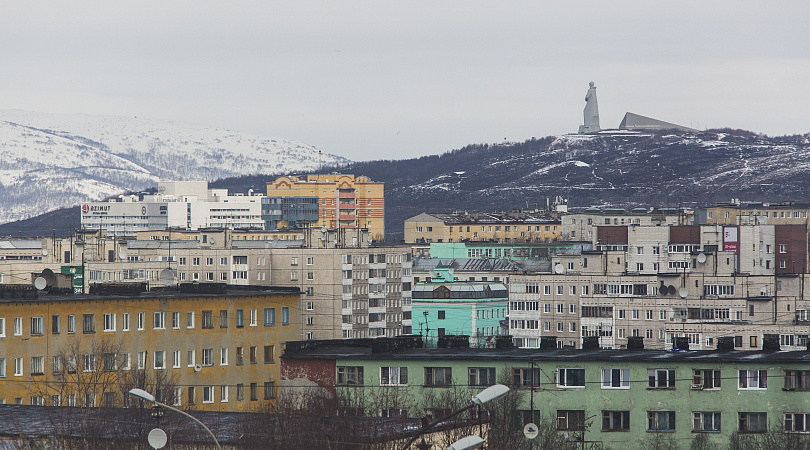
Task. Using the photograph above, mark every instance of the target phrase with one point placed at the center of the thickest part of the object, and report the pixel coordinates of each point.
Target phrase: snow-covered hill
(49, 161)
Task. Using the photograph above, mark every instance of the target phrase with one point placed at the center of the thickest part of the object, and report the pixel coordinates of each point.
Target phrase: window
(294, 261)
(176, 359)
(208, 356)
(615, 379)
(269, 354)
(18, 367)
(782, 248)
(191, 358)
(661, 379)
(89, 363)
(159, 321)
(660, 420)
(438, 376)
(89, 323)
(481, 376)
(190, 320)
(3, 326)
(254, 388)
(223, 357)
(440, 315)
(125, 321)
(71, 323)
(796, 422)
(526, 377)
(253, 354)
(752, 422)
(37, 326)
(240, 318)
(141, 360)
(615, 420)
(570, 420)
(223, 318)
(269, 390)
(37, 365)
(2, 367)
(797, 380)
(253, 317)
(285, 316)
(176, 320)
(350, 375)
(208, 394)
(269, 317)
(208, 319)
(18, 326)
(178, 393)
(568, 378)
(141, 320)
(192, 398)
(706, 421)
(753, 379)
(195, 261)
(240, 392)
(160, 359)
(705, 379)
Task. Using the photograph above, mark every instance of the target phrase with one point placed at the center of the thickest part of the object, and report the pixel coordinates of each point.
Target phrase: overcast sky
(379, 79)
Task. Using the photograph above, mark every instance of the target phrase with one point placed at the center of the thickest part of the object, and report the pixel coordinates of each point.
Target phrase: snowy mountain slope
(623, 169)
(49, 161)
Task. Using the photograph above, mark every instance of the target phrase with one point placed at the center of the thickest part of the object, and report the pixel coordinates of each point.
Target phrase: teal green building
(497, 250)
(444, 306)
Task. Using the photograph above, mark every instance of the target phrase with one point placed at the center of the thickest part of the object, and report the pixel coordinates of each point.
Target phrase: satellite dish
(122, 254)
(44, 252)
(683, 292)
(49, 276)
(211, 241)
(197, 368)
(157, 438)
(40, 283)
(671, 289)
(558, 269)
(167, 276)
(701, 258)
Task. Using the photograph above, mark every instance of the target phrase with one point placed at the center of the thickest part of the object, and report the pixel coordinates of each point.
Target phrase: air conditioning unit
(697, 387)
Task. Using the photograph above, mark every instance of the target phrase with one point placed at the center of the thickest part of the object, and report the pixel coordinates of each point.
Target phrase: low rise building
(208, 347)
(515, 227)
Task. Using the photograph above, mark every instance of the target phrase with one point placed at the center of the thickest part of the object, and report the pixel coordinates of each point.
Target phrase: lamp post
(493, 392)
(143, 395)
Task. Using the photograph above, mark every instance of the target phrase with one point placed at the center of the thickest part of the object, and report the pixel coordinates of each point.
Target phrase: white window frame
(109, 322)
(608, 381)
(758, 377)
(159, 320)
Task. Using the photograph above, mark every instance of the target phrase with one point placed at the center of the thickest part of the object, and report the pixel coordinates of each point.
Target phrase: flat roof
(337, 350)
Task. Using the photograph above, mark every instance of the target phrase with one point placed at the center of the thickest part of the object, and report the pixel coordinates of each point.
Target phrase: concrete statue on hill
(591, 112)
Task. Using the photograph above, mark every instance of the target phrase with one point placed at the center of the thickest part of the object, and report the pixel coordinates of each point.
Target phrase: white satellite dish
(40, 283)
(44, 252)
(122, 254)
(166, 276)
(701, 258)
(211, 241)
(683, 292)
(197, 368)
(558, 269)
(157, 438)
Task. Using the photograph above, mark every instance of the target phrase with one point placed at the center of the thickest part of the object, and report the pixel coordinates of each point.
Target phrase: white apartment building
(658, 282)
(177, 204)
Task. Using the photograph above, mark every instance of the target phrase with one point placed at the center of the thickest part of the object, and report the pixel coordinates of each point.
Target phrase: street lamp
(467, 443)
(143, 395)
(489, 394)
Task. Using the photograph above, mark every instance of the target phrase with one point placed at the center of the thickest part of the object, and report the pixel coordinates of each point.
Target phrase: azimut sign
(95, 209)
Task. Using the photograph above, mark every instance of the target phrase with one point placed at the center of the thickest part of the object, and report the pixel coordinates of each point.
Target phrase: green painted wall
(638, 399)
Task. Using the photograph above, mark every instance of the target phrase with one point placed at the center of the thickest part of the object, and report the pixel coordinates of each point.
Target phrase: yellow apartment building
(343, 201)
(482, 227)
(754, 213)
(202, 346)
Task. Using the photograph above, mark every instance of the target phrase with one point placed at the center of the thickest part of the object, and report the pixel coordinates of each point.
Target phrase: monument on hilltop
(591, 112)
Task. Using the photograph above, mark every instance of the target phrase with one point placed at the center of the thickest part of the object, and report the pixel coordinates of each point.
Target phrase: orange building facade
(344, 201)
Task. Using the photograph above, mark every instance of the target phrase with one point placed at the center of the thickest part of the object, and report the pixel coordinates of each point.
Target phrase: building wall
(183, 337)
(593, 399)
(364, 200)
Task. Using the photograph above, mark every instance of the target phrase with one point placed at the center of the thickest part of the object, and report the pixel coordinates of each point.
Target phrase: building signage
(95, 209)
(730, 240)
